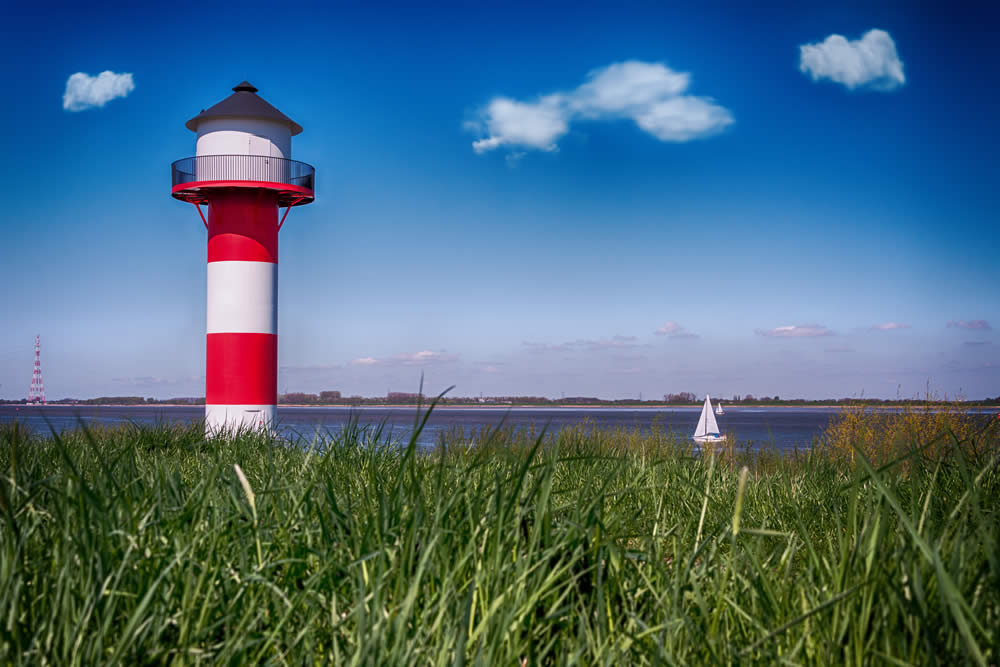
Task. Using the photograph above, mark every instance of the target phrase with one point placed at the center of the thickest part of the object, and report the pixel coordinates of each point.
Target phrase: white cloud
(651, 94)
(629, 85)
(422, 358)
(668, 329)
(84, 91)
(674, 330)
(889, 326)
(516, 123)
(981, 325)
(683, 118)
(796, 331)
(613, 343)
(867, 62)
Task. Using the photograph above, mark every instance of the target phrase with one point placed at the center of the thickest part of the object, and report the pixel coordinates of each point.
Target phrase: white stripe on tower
(255, 417)
(242, 297)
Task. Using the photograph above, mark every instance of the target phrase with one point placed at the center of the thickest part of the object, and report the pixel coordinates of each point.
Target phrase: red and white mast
(36, 394)
(242, 170)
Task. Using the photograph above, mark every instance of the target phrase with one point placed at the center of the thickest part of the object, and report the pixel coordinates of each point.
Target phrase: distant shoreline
(504, 406)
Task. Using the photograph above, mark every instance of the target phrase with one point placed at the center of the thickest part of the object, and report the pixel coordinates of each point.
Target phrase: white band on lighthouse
(242, 297)
(237, 417)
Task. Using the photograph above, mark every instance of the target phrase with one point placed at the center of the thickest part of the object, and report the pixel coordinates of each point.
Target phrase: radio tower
(37, 392)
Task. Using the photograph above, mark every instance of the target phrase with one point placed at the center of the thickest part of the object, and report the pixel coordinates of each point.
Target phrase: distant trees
(115, 400)
(332, 397)
(579, 400)
(301, 398)
(298, 398)
(403, 398)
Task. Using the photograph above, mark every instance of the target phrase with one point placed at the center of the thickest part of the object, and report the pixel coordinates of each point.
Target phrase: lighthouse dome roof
(244, 103)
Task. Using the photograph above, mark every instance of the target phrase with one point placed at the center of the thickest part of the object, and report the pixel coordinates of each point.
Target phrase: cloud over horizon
(870, 62)
(673, 330)
(422, 358)
(650, 94)
(151, 382)
(980, 325)
(490, 367)
(613, 343)
(85, 92)
(796, 331)
(889, 326)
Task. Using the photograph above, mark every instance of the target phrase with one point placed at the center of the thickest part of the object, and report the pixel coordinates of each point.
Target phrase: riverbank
(503, 406)
(779, 428)
(153, 544)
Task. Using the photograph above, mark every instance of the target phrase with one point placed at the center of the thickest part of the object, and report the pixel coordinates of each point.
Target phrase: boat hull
(709, 438)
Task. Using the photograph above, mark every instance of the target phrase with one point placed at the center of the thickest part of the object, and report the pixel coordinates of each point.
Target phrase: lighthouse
(243, 174)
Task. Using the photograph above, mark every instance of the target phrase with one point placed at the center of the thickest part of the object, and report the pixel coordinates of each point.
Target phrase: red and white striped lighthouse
(243, 172)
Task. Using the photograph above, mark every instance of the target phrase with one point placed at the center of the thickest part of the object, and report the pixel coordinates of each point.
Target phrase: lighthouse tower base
(230, 419)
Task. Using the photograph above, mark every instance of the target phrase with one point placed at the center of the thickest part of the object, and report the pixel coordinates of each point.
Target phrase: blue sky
(665, 198)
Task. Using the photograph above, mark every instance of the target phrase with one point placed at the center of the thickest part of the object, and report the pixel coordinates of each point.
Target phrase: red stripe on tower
(243, 225)
(241, 369)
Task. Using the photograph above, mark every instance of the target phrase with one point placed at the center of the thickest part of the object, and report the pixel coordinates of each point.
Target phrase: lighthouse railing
(242, 168)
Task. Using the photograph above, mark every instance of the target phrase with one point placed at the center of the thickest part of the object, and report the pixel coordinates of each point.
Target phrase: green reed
(157, 545)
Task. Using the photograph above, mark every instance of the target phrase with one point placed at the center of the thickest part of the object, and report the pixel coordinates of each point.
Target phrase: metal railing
(243, 168)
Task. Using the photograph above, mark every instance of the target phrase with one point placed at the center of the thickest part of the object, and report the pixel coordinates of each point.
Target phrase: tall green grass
(156, 545)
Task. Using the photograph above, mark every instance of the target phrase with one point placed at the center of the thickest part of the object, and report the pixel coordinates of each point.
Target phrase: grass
(151, 545)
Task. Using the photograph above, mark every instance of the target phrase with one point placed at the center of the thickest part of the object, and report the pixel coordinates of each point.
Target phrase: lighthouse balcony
(193, 178)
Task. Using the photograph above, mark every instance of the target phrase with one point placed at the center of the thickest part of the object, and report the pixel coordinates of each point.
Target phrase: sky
(613, 200)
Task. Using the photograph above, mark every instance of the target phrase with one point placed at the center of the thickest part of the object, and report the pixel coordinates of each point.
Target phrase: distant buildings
(402, 397)
(300, 398)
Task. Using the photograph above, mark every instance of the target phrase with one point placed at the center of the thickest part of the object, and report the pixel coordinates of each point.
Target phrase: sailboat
(708, 429)
(719, 410)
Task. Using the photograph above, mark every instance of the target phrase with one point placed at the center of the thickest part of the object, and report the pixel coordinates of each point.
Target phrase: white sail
(706, 423)
(713, 426)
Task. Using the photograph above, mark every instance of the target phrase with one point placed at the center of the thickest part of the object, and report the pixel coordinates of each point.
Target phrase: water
(782, 428)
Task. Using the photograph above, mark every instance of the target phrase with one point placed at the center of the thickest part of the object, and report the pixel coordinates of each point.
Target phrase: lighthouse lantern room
(243, 173)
